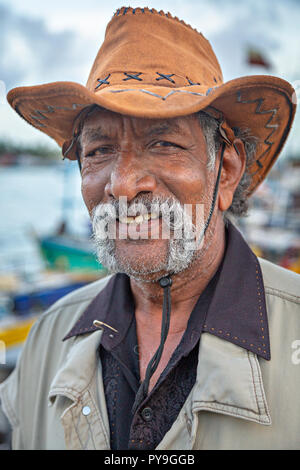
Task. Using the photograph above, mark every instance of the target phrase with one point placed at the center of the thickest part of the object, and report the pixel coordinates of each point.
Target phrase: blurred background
(45, 250)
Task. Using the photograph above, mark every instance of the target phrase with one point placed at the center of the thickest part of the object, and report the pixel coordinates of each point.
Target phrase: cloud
(271, 27)
(31, 53)
(231, 47)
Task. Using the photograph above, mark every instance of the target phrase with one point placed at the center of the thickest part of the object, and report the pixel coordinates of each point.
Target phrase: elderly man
(173, 349)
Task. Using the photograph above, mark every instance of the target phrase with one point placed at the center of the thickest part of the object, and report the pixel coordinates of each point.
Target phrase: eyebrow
(93, 135)
(163, 128)
(96, 134)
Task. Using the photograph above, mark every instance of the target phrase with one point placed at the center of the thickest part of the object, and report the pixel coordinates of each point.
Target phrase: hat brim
(264, 105)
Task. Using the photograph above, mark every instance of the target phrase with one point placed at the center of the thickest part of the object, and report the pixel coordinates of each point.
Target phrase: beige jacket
(54, 398)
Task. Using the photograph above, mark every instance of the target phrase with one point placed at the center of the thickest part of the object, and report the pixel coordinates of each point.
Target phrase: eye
(166, 144)
(100, 151)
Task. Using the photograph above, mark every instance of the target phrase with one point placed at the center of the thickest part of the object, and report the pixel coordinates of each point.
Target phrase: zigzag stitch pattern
(156, 94)
(268, 125)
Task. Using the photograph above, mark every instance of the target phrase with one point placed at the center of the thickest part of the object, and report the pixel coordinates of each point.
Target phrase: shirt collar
(236, 313)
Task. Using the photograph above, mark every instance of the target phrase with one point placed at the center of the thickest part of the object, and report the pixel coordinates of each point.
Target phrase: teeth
(126, 220)
(138, 219)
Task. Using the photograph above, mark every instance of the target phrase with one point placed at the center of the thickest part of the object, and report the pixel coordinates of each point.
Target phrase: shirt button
(86, 410)
(147, 414)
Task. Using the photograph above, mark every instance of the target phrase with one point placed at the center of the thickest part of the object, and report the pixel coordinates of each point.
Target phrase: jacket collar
(237, 312)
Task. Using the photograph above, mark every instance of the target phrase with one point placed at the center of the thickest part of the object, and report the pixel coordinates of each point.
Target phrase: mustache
(184, 236)
(165, 207)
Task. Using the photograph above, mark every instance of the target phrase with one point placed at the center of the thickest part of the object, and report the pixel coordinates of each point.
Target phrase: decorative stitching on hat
(136, 76)
(163, 76)
(103, 81)
(210, 90)
(156, 94)
(127, 10)
(192, 83)
(51, 109)
(133, 76)
(268, 125)
(41, 116)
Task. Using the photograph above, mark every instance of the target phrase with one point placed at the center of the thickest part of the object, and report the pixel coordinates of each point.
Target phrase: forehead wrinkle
(163, 128)
(94, 134)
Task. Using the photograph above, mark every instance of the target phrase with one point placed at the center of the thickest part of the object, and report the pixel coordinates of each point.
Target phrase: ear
(234, 164)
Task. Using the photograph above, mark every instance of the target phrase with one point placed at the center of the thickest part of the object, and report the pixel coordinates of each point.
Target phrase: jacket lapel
(229, 382)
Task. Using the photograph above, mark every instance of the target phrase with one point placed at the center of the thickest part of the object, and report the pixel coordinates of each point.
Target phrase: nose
(129, 178)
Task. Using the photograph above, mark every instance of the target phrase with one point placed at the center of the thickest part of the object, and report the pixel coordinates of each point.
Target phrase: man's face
(144, 160)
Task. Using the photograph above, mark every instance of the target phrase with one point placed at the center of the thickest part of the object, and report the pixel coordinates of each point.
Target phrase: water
(35, 200)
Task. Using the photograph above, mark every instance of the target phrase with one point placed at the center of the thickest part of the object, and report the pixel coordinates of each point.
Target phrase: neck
(187, 286)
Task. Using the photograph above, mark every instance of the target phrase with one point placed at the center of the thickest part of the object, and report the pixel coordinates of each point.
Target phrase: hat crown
(148, 47)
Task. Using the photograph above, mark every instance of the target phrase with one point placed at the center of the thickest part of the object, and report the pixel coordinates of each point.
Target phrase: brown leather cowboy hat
(153, 65)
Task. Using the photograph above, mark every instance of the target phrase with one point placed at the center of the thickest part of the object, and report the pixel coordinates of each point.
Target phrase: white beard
(180, 252)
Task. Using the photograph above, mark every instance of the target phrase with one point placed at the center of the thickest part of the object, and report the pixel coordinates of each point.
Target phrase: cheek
(187, 184)
(92, 190)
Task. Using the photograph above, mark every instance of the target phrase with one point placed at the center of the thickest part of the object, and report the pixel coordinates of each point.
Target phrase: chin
(142, 259)
(146, 260)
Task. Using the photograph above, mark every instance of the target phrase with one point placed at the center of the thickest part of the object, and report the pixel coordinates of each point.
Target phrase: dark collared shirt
(232, 307)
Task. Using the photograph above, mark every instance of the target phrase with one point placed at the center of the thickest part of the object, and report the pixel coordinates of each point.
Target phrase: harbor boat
(68, 253)
(35, 295)
(23, 301)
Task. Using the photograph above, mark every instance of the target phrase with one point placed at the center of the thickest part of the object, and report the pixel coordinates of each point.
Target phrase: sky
(41, 42)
